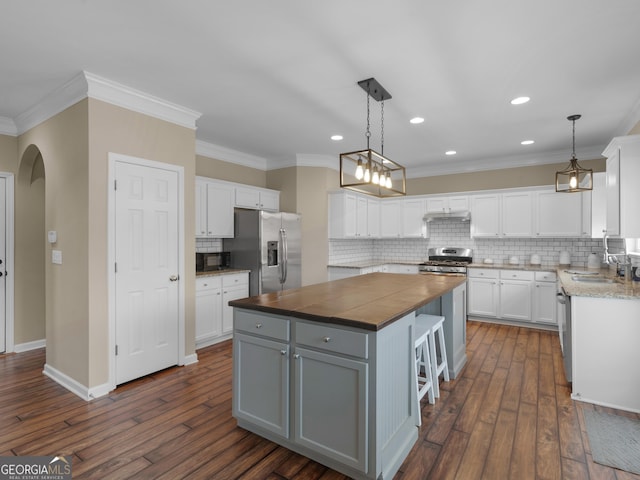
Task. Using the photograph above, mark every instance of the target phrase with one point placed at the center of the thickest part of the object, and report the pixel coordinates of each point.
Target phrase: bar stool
(424, 384)
(434, 326)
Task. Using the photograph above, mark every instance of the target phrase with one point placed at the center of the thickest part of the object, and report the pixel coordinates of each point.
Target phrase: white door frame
(9, 261)
(111, 257)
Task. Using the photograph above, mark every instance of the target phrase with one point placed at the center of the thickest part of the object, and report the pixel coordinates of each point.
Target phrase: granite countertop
(371, 263)
(618, 289)
(226, 271)
(370, 302)
(522, 266)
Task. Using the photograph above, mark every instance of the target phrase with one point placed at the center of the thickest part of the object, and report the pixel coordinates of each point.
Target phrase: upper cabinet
(501, 215)
(216, 199)
(447, 204)
(214, 209)
(353, 216)
(413, 225)
(622, 192)
(561, 214)
(257, 198)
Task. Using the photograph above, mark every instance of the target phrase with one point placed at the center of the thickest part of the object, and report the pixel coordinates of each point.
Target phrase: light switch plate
(56, 257)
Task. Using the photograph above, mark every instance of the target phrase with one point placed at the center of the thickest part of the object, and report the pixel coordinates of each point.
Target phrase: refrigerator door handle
(285, 255)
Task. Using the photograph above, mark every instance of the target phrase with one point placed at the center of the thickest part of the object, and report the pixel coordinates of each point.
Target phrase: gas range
(447, 261)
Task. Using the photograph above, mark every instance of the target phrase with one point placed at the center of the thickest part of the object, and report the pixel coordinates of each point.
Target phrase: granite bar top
(370, 302)
(522, 266)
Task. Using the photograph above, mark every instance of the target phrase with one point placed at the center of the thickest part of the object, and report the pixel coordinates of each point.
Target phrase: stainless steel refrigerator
(268, 244)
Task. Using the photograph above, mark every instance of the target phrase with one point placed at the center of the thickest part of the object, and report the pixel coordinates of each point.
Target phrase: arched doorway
(30, 252)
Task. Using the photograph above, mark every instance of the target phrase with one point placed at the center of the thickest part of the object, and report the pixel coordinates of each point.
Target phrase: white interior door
(146, 279)
(3, 268)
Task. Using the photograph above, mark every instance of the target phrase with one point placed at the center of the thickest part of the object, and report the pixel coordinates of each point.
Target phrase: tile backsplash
(448, 233)
(206, 245)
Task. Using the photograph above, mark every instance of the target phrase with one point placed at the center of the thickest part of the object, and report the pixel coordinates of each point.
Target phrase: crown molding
(217, 152)
(60, 99)
(132, 99)
(476, 165)
(86, 84)
(8, 127)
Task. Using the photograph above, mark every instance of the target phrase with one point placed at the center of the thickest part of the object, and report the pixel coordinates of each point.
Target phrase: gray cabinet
(261, 381)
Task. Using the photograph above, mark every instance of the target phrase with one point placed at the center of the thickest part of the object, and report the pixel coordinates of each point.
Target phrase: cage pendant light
(367, 171)
(574, 178)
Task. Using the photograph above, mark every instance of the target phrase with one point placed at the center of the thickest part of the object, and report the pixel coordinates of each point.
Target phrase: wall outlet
(56, 257)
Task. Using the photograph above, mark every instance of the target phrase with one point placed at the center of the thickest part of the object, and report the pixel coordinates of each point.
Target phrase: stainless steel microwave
(210, 261)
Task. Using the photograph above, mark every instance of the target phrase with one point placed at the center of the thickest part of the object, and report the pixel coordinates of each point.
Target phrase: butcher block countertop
(370, 301)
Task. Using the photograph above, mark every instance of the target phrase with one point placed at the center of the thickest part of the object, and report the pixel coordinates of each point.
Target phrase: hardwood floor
(507, 416)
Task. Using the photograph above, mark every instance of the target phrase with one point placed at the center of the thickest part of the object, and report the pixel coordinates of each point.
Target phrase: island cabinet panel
(261, 381)
(331, 419)
(340, 395)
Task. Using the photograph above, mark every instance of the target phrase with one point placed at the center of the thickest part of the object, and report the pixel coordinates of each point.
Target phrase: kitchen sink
(585, 279)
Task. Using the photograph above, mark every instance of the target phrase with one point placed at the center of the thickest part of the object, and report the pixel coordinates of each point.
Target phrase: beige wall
(635, 130)
(218, 169)
(118, 130)
(63, 143)
(75, 146)
(490, 179)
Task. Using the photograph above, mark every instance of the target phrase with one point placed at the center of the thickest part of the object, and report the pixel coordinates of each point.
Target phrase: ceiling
(275, 79)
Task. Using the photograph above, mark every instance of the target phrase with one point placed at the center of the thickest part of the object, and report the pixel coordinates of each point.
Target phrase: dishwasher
(564, 329)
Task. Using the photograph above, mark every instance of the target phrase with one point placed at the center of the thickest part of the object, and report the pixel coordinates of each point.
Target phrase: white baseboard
(190, 359)
(74, 386)
(25, 347)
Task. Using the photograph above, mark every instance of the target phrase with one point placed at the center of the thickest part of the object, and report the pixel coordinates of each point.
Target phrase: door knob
(173, 278)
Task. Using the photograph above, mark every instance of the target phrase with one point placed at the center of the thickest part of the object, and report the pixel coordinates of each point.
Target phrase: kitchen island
(327, 370)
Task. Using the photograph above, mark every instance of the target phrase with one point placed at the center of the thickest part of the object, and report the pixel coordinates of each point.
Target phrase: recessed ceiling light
(416, 120)
(527, 142)
(520, 100)
(336, 138)
(450, 152)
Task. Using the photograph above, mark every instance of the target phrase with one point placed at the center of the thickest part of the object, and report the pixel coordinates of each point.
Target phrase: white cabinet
(544, 298)
(623, 194)
(214, 317)
(483, 292)
(413, 225)
(515, 295)
(485, 215)
(214, 209)
(516, 214)
(447, 204)
(208, 308)
(598, 208)
(391, 219)
(353, 216)
(501, 215)
(401, 268)
(257, 198)
(561, 214)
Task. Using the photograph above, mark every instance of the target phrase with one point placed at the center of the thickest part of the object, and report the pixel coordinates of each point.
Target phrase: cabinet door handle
(283, 352)
(296, 356)
(326, 339)
(258, 325)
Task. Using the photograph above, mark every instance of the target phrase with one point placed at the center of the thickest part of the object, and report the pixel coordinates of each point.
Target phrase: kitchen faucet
(615, 258)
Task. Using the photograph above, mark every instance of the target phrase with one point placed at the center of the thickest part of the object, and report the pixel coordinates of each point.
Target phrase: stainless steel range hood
(460, 216)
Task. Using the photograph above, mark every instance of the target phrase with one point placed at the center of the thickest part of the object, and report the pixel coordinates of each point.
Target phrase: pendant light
(574, 178)
(367, 171)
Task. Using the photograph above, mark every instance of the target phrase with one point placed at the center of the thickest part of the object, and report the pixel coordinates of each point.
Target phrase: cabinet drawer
(261, 324)
(332, 339)
(482, 273)
(516, 275)
(207, 283)
(235, 279)
(545, 276)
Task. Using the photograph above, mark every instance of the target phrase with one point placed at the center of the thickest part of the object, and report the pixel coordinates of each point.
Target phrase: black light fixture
(367, 171)
(574, 178)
